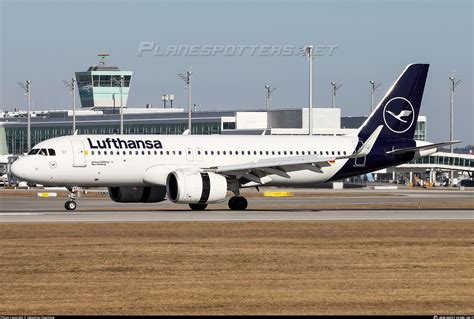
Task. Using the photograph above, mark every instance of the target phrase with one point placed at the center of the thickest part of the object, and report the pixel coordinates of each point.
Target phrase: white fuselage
(121, 160)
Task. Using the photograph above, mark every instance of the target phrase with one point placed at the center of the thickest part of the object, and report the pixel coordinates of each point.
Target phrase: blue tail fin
(398, 110)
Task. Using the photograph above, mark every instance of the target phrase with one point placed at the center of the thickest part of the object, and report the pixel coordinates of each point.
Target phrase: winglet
(365, 149)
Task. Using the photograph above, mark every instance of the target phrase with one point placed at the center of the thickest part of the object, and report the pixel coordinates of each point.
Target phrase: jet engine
(137, 194)
(193, 187)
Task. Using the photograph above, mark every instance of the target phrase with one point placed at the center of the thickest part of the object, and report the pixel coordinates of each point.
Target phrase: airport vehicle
(199, 170)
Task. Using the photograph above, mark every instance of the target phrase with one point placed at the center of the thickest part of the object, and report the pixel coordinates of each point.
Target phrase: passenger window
(136, 152)
(124, 153)
(344, 152)
(155, 152)
(174, 152)
(149, 152)
(223, 152)
(168, 153)
(273, 152)
(230, 152)
(266, 152)
(161, 152)
(98, 152)
(218, 153)
(205, 152)
(212, 152)
(338, 152)
(291, 152)
(279, 153)
(179, 152)
(130, 153)
(92, 152)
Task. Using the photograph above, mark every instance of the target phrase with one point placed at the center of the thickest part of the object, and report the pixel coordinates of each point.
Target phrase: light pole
(335, 87)
(72, 85)
(268, 95)
(121, 102)
(27, 88)
(308, 51)
(372, 92)
(187, 79)
(453, 85)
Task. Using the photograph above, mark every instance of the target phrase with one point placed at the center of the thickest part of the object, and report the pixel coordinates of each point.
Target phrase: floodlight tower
(27, 88)
(372, 92)
(452, 86)
(187, 79)
(268, 95)
(308, 52)
(335, 87)
(72, 86)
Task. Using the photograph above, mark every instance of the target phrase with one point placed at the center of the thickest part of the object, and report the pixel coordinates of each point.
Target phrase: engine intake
(137, 194)
(192, 187)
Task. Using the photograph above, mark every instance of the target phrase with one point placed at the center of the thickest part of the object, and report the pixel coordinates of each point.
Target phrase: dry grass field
(394, 267)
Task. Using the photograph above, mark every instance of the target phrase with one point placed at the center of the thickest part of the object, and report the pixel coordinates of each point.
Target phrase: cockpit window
(43, 151)
(33, 151)
(51, 152)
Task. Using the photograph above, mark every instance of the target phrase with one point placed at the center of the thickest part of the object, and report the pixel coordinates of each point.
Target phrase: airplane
(200, 169)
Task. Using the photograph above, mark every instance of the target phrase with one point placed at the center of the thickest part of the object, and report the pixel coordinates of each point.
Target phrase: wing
(257, 171)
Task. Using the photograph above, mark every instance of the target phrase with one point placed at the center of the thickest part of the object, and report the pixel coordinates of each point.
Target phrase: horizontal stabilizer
(419, 148)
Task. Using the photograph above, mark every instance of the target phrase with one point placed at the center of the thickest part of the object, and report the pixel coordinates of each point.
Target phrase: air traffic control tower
(103, 85)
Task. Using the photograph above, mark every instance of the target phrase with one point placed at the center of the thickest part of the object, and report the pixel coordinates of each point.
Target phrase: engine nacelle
(137, 194)
(192, 187)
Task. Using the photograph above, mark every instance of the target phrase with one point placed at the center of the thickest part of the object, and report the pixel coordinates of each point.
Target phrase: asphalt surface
(18, 207)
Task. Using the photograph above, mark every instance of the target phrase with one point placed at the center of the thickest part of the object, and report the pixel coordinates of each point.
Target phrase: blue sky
(47, 41)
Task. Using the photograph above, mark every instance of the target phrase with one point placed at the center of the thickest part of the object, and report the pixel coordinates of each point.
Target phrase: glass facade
(444, 161)
(420, 131)
(17, 141)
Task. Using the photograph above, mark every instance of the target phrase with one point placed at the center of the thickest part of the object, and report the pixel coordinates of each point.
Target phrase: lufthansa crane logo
(399, 115)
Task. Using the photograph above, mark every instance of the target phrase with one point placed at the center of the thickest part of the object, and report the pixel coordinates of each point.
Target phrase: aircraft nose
(18, 168)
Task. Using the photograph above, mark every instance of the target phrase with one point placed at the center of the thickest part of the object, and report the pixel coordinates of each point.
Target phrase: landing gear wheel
(238, 203)
(198, 206)
(70, 205)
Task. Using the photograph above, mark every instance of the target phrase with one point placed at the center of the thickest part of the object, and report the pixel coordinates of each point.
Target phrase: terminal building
(103, 89)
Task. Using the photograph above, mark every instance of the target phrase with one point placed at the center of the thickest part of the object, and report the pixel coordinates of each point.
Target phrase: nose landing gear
(71, 203)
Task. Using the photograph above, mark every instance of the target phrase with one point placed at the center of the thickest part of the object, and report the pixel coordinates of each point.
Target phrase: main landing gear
(71, 203)
(197, 206)
(238, 203)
